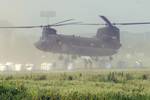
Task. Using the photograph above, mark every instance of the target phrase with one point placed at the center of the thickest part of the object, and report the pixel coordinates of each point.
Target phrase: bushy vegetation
(89, 85)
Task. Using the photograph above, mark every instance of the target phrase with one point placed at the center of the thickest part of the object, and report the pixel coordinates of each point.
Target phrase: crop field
(79, 85)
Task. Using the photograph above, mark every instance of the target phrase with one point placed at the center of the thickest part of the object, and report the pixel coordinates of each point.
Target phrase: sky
(27, 12)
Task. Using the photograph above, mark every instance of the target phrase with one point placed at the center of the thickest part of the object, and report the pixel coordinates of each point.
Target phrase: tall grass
(127, 85)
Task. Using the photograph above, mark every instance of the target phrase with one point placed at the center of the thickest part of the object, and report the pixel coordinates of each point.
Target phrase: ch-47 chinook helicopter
(105, 43)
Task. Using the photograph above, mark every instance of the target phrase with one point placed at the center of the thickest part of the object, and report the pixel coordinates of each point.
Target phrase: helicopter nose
(41, 45)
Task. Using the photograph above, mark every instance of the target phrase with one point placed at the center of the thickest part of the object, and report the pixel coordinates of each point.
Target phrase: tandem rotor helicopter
(105, 43)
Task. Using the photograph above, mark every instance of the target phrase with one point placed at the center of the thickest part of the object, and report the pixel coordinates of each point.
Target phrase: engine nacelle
(108, 33)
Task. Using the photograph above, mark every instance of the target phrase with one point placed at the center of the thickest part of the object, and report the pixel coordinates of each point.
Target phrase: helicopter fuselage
(76, 45)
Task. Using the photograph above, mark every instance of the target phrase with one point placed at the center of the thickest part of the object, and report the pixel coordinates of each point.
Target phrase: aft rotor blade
(62, 22)
(21, 27)
(136, 23)
(106, 20)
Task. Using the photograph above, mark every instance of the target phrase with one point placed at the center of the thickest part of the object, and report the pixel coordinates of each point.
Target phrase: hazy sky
(27, 12)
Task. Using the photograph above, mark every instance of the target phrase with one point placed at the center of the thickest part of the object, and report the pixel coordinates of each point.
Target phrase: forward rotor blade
(91, 24)
(62, 22)
(21, 27)
(136, 23)
(73, 23)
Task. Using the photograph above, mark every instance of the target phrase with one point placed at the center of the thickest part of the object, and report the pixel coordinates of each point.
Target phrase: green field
(79, 85)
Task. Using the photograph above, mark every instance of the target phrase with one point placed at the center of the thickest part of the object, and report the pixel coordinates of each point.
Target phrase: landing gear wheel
(110, 58)
(73, 57)
(61, 57)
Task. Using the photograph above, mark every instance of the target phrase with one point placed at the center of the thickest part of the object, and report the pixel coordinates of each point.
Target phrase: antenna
(47, 15)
